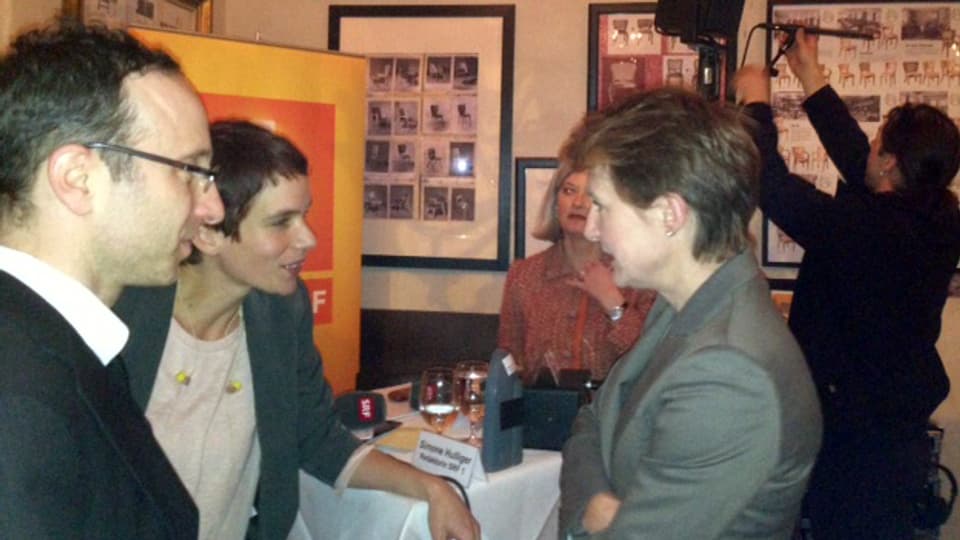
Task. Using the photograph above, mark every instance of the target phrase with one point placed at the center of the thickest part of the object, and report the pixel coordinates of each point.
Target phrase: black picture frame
(506, 14)
(527, 206)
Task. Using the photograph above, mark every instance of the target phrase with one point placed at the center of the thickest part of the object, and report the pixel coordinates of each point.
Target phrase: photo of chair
(645, 31)
(801, 157)
(465, 72)
(404, 161)
(889, 75)
(889, 37)
(434, 165)
(438, 70)
(845, 75)
(437, 121)
(911, 72)
(406, 119)
(401, 202)
(674, 72)
(410, 74)
(820, 158)
(866, 75)
(620, 37)
(379, 123)
(622, 80)
(373, 201)
(951, 71)
(464, 118)
(383, 77)
(849, 47)
(435, 203)
(377, 158)
(931, 75)
(948, 41)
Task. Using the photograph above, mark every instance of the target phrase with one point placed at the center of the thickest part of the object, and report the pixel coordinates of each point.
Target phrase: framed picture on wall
(913, 58)
(627, 54)
(183, 15)
(533, 175)
(438, 157)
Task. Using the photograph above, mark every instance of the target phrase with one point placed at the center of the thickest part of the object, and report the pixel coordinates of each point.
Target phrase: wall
(16, 15)
(549, 97)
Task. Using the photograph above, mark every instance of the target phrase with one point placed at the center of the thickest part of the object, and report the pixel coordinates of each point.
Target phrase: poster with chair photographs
(438, 123)
(627, 54)
(421, 137)
(914, 57)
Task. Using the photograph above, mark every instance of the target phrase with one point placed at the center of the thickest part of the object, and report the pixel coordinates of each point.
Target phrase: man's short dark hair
(246, 157)
(64, 84)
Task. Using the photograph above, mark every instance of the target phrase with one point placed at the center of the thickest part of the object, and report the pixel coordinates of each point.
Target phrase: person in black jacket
(104, 148)
(869, 294)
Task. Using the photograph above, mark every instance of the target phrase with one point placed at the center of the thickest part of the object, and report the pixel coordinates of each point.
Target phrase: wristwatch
(616, 313)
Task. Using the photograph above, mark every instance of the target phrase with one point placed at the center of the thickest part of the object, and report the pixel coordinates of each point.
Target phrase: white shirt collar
(99, 327)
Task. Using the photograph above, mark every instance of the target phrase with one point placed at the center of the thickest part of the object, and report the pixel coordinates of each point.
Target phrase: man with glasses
(104, 149)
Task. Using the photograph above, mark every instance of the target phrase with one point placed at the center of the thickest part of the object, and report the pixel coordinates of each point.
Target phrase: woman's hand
(753, 85)
(803, 60)
(597, 279)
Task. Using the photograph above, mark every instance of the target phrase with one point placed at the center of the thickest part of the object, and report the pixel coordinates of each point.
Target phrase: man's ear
(209, 240)
(70, 172)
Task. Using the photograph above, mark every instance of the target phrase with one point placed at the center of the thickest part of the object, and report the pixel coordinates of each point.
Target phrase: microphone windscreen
(359, 410)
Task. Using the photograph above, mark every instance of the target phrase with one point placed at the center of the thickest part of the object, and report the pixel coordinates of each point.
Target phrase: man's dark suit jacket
(77, 457)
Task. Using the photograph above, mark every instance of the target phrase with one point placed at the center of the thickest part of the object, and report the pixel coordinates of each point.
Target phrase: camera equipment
(707, 25)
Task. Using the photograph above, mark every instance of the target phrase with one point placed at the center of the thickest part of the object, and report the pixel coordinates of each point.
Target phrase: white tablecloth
(518, 503)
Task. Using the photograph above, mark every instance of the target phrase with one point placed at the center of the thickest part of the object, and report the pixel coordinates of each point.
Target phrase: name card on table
(442, 456)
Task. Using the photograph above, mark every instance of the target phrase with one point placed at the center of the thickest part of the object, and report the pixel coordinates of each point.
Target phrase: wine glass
(437, 404)
(471, 381)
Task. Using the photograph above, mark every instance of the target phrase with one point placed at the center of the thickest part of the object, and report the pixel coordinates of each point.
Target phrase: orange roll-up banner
(315, 99)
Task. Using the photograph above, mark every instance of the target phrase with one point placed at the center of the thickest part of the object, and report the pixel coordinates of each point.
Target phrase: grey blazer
(296, 426)
(707, 429)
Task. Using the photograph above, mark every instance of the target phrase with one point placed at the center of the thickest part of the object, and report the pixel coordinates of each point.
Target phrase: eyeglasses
(209, 175)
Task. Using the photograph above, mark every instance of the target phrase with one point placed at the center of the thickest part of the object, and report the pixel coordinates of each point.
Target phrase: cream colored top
(202, 413)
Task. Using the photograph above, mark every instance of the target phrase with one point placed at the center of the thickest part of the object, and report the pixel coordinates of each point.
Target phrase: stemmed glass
(437, 398)
(471, 382)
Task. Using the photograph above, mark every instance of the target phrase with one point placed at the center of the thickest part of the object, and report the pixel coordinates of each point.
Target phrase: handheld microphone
(361, 410)
(814, 30)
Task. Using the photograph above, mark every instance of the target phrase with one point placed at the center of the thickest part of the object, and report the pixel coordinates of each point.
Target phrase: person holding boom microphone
(869, 294)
